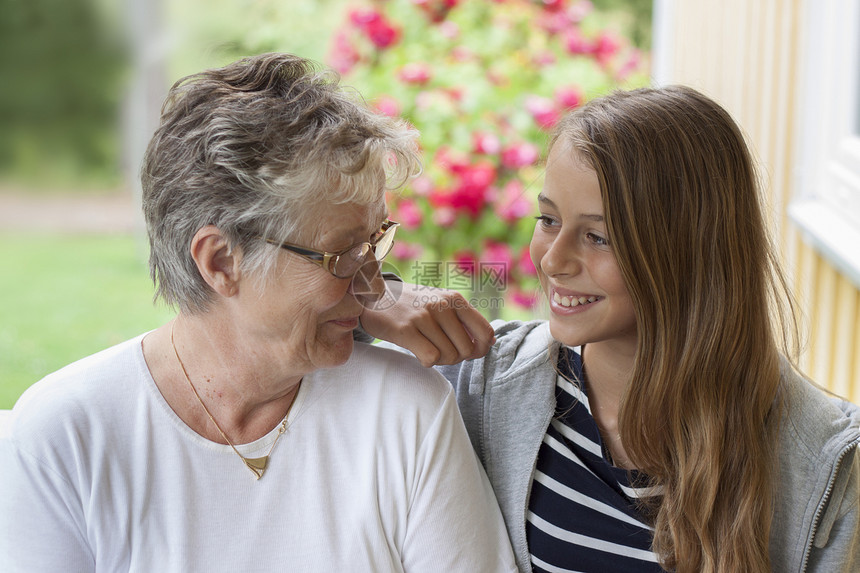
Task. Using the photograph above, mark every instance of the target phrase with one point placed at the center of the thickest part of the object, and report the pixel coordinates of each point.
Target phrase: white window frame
(826, 204)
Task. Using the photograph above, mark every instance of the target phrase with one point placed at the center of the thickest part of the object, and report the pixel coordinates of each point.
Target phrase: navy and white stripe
(582, 516)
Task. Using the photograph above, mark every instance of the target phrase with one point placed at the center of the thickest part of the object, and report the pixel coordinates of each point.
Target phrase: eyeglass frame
(328, 261)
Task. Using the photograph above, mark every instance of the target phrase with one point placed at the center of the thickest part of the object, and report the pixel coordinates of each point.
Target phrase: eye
(374, 238)
(546, 221)
(359, 252)
(597, 239)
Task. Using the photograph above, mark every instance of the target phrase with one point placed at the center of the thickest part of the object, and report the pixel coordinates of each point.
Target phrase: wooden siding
(747, 55)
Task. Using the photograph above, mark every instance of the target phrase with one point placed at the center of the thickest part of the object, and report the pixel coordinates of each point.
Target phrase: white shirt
(375, 473)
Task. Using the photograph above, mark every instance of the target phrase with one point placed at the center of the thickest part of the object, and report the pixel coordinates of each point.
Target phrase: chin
(565, 335)
(336, 352)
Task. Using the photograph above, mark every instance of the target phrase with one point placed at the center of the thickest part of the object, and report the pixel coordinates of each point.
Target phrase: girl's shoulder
(821, 423)
(520, 345)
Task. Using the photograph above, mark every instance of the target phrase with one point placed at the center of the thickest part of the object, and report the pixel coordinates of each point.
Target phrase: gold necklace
(256, 465)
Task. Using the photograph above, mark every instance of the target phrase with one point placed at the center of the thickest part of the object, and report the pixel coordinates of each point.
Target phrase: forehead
(342, 225)
(570, 182)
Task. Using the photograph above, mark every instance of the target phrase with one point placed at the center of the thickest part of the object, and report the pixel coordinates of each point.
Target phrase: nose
(560, 258)
(367, 284)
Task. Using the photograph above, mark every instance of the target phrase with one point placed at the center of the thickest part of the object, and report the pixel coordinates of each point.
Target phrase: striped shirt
(582, 516)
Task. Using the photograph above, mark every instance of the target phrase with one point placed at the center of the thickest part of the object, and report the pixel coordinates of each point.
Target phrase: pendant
(257, 465)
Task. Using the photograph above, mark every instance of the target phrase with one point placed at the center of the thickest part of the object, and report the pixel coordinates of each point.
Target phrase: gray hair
(250, 148)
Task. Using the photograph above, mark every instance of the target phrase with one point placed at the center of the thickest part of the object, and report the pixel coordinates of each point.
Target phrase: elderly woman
(251, 431)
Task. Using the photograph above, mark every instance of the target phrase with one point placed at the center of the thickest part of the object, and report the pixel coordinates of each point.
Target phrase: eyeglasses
(345, 264)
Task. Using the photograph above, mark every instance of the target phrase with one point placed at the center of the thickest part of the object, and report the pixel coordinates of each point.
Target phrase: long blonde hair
(685, 221)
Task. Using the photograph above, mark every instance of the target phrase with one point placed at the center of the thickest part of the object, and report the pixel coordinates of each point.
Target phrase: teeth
(571, 301)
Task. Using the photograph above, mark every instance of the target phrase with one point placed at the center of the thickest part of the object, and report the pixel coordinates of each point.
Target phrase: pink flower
(471, 192)
(364, 17)
(629, 66)
(513, 205)
(444, 216)
(605, 48)
(408, 214)
(543, 111)
(498, 257)
(478, 176)
(406, 251)
(466, 261)
(383, 35)
(525, 265)
(569, 97)
(553, 22)
(449, 30)
(579, 11)
(450, 160)
(375, 26)
(485, 143)
(468, 199)
(415, 73)
(545, 58)
(576, 43)
(343, 55)
(525, 299)
(455, 94)
(519, 155)
(553, 5)
(423, 186)
(387, 105)
(497, 252)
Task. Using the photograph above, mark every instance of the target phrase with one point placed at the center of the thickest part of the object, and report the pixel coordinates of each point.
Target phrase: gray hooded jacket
(507, 400)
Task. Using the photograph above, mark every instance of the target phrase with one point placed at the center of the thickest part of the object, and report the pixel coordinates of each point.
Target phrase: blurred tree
(61, 72)
(207, 33)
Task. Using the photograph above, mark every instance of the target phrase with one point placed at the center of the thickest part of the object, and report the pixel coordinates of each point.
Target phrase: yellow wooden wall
(747, 55)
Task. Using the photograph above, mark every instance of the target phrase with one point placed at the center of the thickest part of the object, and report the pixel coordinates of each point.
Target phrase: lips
(350, 322)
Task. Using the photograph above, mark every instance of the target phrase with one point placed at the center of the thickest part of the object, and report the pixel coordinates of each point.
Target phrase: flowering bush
(483, 81)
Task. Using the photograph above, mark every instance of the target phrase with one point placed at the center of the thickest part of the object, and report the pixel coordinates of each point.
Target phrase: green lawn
(63, 297)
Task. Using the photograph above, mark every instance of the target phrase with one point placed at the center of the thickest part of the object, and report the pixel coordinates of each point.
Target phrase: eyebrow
(591, 217)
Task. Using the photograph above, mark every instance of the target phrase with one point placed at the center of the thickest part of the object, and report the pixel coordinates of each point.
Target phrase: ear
(216, 262)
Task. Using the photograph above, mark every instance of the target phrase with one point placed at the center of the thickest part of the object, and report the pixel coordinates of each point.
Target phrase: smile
(571, 301)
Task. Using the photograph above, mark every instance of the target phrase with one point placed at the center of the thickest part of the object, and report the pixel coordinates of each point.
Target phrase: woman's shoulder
(76, 390)
(394, 372)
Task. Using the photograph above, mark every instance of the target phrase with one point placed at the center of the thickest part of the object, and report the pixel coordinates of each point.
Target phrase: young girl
(654, 422)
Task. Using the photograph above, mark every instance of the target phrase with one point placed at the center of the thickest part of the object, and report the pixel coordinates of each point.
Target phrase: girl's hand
(438, 326)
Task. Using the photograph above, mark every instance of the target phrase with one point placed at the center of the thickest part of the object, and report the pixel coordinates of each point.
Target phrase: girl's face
(570, 249)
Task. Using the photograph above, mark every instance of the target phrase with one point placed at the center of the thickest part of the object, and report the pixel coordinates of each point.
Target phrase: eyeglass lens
(346, 265)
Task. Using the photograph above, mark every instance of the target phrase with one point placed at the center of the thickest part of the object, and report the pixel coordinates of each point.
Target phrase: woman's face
(570, 249)
(303, 315)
